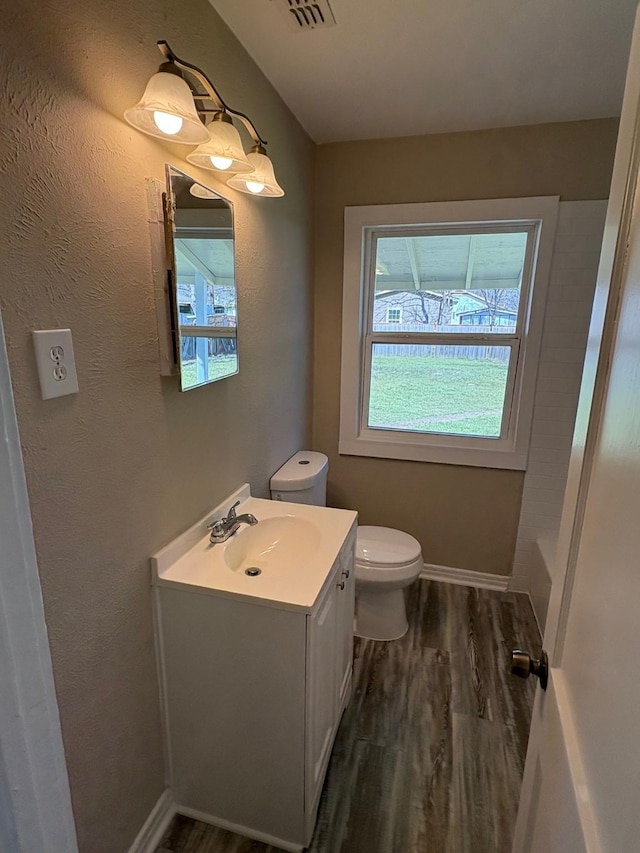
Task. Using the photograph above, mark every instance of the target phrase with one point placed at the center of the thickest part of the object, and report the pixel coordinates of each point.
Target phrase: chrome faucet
(224, 528)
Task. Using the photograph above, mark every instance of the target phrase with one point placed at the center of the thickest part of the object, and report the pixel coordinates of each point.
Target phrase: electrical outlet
(56, 362)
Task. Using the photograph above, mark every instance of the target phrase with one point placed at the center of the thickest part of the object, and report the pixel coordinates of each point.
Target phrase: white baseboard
(155, 825)
(239, 829)
(517, 583)
(464, 577)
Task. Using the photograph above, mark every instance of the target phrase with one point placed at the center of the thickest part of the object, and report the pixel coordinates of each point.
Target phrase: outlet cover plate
(56, 362)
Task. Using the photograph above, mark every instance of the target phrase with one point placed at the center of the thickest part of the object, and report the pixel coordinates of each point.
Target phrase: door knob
(523, 665)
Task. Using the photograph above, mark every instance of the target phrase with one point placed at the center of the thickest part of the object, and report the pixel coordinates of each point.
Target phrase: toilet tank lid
(303, 470)
(385, 546)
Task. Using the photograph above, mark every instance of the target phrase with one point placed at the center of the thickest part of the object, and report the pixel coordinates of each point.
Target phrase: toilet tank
(302, 479)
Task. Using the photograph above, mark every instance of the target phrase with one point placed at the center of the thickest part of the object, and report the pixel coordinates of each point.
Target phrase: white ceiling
(407, 67)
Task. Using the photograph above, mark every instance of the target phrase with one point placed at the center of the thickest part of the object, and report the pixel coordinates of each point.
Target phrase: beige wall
(122, 467)
(464, 517)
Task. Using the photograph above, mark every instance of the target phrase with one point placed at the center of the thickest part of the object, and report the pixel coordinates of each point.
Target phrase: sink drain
(253, 571)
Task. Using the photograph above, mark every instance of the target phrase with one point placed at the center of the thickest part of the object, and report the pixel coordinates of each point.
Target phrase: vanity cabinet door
(346, 605)
(322, 636)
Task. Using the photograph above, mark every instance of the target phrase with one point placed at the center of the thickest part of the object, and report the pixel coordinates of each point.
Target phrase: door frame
(602, 329)
(35, 802)
(595, 379)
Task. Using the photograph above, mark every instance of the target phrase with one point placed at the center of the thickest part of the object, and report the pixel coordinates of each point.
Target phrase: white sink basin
(276, 545)
(291, 549)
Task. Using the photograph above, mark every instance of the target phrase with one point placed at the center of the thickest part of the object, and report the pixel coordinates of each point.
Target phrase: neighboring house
(486, 317)
(495, 307)
(412, 307)
(465, 302)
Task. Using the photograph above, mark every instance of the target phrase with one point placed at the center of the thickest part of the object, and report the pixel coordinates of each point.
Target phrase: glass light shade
(202, 192)
(224, 145)
(167, 111)
(261, 181)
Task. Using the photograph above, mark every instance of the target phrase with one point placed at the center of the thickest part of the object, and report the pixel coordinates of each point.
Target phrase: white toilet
(387, 560)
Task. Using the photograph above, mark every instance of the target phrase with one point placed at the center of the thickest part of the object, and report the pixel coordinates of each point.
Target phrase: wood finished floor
(430, 752)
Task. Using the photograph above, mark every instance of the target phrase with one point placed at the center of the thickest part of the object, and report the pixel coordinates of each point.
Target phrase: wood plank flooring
(430, 752)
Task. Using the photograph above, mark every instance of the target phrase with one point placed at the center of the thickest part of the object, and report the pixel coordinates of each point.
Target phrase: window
(394, 315)
(467, 282)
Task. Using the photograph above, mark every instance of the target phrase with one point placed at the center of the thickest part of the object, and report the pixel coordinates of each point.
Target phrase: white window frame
(362, 226)
(394, 308)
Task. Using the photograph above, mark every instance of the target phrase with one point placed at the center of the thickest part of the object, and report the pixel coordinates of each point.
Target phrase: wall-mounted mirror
(200, 248)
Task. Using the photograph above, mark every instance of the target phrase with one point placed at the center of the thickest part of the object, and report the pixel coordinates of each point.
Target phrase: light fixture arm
(210, 93)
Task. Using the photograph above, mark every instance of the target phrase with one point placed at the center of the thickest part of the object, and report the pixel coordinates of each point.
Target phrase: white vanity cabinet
(329, 670)
(346, 608)
(253, 694)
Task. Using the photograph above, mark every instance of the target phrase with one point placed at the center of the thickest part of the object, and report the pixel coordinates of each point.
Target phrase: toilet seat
(385, 548)
(386, 557)
(387, 561)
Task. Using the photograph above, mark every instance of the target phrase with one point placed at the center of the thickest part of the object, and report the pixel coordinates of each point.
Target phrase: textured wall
(464, 517)
(119, 469)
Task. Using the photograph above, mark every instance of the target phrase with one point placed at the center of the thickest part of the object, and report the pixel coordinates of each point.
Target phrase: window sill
(507, 458)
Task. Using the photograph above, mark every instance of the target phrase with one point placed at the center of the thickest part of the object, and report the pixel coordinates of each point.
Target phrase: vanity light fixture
(261, 180)
(223, 150)
(174, 106)
(166, 110)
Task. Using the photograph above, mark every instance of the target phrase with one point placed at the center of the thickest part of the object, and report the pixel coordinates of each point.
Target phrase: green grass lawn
(219, 366)
(445, 395)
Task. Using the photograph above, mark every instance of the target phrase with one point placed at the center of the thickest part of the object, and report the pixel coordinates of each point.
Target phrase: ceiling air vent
(307, 14)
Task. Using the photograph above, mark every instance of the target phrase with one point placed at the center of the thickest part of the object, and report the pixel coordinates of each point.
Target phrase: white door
(35, 805)
(581, 787)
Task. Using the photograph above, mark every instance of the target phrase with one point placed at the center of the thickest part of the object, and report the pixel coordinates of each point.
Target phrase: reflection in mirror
(203, 290)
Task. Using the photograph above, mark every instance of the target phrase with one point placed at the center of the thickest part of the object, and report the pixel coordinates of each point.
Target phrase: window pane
(206, 359)
(451, 390)
(394, 315)
(449, 282)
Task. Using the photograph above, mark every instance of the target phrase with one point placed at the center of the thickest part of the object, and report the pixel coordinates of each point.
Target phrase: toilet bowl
(387, 561)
